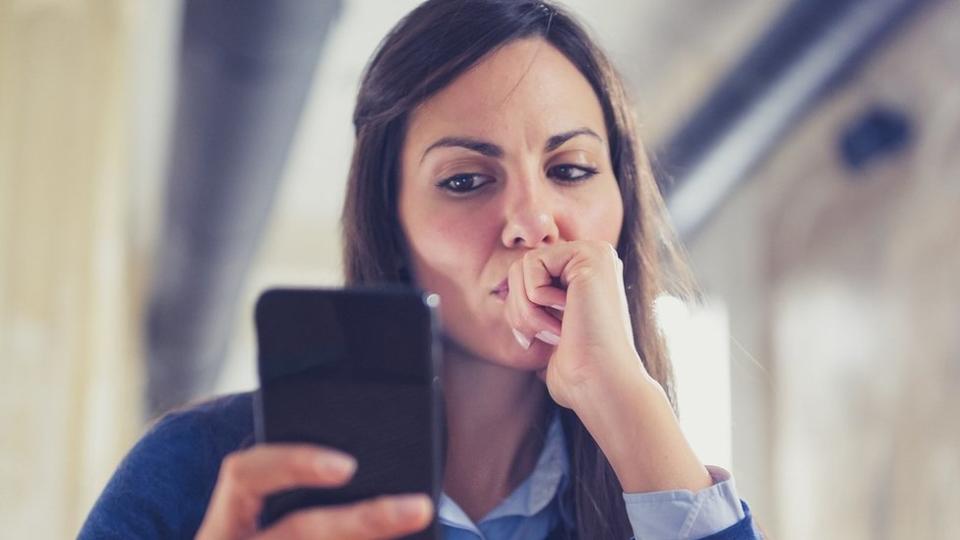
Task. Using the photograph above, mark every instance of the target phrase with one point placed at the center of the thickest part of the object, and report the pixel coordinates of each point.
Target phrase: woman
(496, 164)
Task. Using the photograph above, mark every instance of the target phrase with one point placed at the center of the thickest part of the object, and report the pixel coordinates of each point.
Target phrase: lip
(501, 290)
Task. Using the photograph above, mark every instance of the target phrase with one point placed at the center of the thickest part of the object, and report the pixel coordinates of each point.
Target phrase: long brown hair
(423, 53)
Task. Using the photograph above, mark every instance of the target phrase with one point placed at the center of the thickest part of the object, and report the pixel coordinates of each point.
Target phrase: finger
(539, 284)
(569, 260)
(267, 468)
(525, 317)
(382, 517)
(513, 307)
(556, 312)
(247, 476)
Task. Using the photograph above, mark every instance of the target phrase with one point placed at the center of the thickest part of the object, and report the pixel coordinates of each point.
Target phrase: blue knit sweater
(163, 486)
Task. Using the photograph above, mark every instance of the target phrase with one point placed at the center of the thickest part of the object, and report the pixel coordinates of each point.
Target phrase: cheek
(449, 246)
(450, 249)
(613, 220)
(601, 217)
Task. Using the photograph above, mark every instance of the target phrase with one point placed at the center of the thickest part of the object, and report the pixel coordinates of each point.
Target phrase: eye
(464, 183)
(571, 173)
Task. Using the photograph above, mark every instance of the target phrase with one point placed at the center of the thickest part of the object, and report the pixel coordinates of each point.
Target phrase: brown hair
(424, 52)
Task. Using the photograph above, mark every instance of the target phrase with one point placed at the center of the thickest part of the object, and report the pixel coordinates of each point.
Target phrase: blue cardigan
(163, 486)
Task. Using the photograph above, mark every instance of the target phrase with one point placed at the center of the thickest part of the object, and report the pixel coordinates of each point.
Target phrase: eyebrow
(557, 141)
(481, 147)
(492, 150)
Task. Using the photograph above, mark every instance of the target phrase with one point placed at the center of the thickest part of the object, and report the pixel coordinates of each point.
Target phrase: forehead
(526, 89)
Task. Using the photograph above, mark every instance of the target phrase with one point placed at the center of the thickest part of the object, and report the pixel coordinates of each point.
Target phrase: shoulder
(162, 487)
(226, 421)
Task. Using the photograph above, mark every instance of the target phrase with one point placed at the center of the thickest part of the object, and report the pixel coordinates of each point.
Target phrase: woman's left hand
(594, 342)
(595, 368)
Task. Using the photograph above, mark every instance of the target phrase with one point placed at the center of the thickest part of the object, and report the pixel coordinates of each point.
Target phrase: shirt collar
(532, 495)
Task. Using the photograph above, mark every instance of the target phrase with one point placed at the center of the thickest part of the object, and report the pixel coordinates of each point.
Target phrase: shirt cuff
(684, 514)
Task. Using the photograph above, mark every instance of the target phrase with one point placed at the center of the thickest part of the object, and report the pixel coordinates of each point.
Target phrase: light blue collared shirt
(535, 507)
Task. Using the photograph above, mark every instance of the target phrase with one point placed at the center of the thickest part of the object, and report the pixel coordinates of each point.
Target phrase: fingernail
(558, 307)
(412, 506)
(548, 337)
(521, 339)
(337, 463)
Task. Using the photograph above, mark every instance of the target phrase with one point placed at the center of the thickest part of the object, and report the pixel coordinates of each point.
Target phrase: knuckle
(532, 295)
(531, 319)
(306, 524)
(377, 515)
(523, 329)
(540, 295)
(298, 460)
(601, 249)
(251, 505)
(313, 461)
(527, 323)
(230, 467)
(529, 259)
(298, 525)
(521, 312)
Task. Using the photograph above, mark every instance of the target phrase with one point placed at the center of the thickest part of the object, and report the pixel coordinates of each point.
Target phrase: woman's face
(511, 156)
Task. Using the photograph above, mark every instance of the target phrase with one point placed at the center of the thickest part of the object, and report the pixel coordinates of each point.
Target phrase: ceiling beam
(812, 47)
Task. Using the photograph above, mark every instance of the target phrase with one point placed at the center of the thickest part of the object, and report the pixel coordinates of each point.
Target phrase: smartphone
(356, 370)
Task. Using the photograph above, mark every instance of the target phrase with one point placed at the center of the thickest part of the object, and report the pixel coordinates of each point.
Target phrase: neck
(496, 422)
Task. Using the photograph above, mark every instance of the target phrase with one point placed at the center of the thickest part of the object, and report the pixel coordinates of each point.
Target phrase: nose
(531, 218)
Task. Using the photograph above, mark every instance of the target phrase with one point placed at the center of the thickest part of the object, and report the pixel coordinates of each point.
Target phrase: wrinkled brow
(481, 147)
(490, 149)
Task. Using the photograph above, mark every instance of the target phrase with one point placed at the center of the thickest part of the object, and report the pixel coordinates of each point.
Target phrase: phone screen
(355, 370)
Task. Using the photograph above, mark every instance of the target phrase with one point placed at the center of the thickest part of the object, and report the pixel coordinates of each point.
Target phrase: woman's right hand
(248, 476)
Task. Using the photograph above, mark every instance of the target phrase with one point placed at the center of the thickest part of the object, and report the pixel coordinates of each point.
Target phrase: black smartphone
(356, 370)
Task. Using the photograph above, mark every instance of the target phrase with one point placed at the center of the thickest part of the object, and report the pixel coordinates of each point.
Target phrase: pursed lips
(501, 290)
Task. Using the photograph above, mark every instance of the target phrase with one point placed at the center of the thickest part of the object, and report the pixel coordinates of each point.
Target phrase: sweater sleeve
(162, 487)
(715, 512)
(741, 530)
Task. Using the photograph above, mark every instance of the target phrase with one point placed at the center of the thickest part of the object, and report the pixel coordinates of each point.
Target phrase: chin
(511, 355)
(503, 350)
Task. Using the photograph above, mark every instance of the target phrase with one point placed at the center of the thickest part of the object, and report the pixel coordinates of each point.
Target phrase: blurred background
(161, 162)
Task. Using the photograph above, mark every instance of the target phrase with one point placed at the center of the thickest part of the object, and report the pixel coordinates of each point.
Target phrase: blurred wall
(842, 286)
(69, 394)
